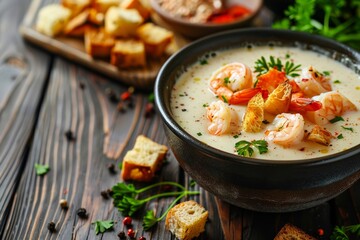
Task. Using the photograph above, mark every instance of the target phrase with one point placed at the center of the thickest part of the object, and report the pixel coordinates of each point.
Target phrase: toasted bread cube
(76, 22)
(138, 5)
(254, 114)
(320, 135)
(289, 231)
(141, 163)
(52, 19)
(128, 53)
(98, 43)
(186, 220)
(76, 6)
(156, 38)
(96, 17)
(122, 22)
(79, 31)
(104, 5)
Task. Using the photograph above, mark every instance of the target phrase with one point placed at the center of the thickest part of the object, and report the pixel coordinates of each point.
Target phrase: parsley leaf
(340, 233)
(41, 169)
(245, 148)
(103, 226)
(262, 66)
(340, 136)
(336, 119)
(348, 128)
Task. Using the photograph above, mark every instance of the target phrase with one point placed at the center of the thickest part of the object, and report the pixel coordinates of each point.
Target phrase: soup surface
(191, 96)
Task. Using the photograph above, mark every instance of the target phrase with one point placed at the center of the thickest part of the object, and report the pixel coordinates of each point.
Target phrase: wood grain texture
(79, 168)
(74, 50)
(23, 73)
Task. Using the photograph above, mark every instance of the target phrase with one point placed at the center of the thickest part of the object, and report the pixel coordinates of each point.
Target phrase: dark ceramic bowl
(261, 185)
(196, 30)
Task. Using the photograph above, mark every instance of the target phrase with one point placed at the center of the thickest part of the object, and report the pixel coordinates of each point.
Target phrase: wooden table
(43, 96)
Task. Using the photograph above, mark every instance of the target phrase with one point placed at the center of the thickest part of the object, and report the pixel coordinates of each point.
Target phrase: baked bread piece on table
(138, 5)
(141, 162)
(186, 220)
(98, 43)
(77, 22)
(52, 19)
(156, 38)
(122, 22)
(291, 232)
(103, 5)
(76, 6)
(128, 53)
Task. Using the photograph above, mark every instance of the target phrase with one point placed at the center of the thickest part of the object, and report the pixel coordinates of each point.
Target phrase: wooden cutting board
(74, 50)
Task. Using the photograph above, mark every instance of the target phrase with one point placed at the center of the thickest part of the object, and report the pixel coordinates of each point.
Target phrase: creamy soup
(191, 96)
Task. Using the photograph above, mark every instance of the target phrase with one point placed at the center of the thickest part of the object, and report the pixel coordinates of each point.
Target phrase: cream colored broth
(191, 93)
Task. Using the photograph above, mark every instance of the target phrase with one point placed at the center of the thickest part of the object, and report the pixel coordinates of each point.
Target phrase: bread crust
(291, 232)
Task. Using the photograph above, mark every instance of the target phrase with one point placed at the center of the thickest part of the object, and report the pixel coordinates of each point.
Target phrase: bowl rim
(230, 157)
(179, 21)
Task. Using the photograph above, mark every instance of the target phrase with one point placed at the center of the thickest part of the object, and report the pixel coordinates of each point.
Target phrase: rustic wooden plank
(23, 73)
(79, 168)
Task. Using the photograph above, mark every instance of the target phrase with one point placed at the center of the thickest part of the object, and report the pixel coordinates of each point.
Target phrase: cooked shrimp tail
(243, 96)
(300, 105)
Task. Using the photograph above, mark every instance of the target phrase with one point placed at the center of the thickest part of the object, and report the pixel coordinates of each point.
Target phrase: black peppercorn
(111, 168)
(69, 135)
(111, 95)
(81, 212)
(122, 235)
(105, 194)
(82, 85)
(51, 226)
(110, 192)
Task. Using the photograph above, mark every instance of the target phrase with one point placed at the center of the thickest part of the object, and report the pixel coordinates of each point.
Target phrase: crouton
(103, 5)
(141, 162)
(52, 19)
(138, 5)
(76, 22)
(128, 53)
(254, 114)
(186, 220)
(98, 43)
(76, 6)
(320, 135)
(122, 22)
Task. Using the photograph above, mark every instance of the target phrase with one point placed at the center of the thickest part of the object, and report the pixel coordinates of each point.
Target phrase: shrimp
(219, 115)
(271, 80)
(312, 82)
(288, 129)
(230, 79)
(333, 104)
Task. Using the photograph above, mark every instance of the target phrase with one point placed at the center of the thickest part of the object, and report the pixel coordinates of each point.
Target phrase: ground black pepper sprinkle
(105, 194)
(69, 135)
(81, 212)
(51, 227)
(122, 235)
(111, 168)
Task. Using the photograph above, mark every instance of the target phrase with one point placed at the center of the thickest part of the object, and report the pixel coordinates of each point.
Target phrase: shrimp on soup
(287, 129)
(312, 82)
(232, 83)
(333, 104)
(222, 118)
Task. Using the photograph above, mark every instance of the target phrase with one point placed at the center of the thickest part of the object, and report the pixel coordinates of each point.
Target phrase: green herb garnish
(245, 148)
(126, 199)
(205, 105)
(203, 62)
(199, 134)
(103, 226)
(41, 169)
(226, 80)
(340, 136)
(151, 97)
(341, 233)
(224, 99)
(326, 73)
(348, 128)
(337, 81)
(339, 20)
(336, 119)
(262, 66)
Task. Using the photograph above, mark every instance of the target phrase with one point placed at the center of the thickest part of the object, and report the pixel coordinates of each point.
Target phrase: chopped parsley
(41, 169)
(203, 61)
(337, 81)
(205, 105)
(199, 134)
(326, 73)
(262, 66)
(227, 80)
(336, 119)
(224, 99)
(340, 136)
(103, 226)
(348, 128)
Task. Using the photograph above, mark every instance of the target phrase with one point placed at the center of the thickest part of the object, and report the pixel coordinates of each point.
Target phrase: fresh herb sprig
(126, 199)
(262, 66)
(339, 20)
(102, 226)
(41, 169)
(245, 148)
(341, 233)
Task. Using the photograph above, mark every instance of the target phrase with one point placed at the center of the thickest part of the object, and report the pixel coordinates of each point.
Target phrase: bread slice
(186, 220)
(103, 5)
(138, 5)
(141, 162)
(98, 43)
(76, 6)
(52, 19)
(156, 38)
(291, 232)
(122, 22)
(128, 53)
(76, 22)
